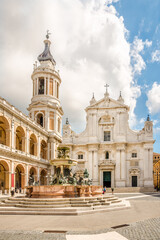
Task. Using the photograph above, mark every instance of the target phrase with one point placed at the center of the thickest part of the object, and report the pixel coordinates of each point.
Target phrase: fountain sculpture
(64, 183)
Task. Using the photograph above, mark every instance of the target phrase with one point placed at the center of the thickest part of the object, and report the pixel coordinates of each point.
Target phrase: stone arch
(40, 118)
(43, 177)
(20, 139)
(4, 131)
(19, 177)
(33, 144)
(32, 176)
(4, 176)
(43, 153)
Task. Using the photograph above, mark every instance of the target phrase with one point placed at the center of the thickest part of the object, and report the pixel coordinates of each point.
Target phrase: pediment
(108, 103)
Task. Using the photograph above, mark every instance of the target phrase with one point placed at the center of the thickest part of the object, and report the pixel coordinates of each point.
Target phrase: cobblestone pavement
(144, 230)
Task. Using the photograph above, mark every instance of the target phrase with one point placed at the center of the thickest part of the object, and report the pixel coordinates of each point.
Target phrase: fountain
(65, 183)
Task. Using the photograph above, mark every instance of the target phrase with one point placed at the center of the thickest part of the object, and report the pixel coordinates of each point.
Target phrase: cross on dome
(106, 93)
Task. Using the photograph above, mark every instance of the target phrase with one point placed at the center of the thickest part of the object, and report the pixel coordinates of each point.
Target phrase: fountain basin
(63, 191)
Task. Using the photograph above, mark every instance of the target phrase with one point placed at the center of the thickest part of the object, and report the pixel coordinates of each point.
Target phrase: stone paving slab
(102, 236)
(143, 230)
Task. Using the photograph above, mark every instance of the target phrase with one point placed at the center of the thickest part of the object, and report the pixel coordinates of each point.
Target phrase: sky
(94, 42)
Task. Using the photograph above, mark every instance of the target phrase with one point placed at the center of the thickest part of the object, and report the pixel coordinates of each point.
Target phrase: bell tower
(45, 107)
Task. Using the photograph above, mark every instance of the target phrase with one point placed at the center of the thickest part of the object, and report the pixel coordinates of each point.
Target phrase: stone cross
(106, 86)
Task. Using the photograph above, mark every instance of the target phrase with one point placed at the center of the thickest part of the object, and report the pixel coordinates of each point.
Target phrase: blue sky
(93, 42)
(142, 19)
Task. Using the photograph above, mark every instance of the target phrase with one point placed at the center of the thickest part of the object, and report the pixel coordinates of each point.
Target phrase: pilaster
(12, 134)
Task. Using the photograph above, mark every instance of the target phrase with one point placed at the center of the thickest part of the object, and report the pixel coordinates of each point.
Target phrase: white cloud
(155, 122)
(111, 1)
(90, 48)
(156, 130)
(142, 120)
(153, 102)
(136, 48)
(156, 56)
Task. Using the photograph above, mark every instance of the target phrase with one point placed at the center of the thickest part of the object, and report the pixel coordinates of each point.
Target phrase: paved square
(102, 236)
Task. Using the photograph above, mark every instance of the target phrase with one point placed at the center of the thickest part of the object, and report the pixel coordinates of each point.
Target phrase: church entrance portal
(106, 179)
(134, 181)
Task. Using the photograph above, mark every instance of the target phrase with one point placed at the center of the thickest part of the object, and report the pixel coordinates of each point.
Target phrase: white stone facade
(114, 155)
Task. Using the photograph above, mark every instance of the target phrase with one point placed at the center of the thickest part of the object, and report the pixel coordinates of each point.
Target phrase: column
(48, 151)
(12, 176)
(145, 164)
(95, 167)
(45, 86)
(118, 168)
(37, 85)
(39, 147)
(123, 168)
(27, 177)
(55, 122)
(27, 141)
(47, 120)
(38, 175)
(90, 165)
(151, 164)
(12, 134)
(55, 88)
(52, 150)
(48, 86)
(112, 179)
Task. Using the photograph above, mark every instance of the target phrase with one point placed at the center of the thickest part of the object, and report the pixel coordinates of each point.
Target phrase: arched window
(43, 177)
(41, 86)
(19, 177)
(33, 145)
(4, 131)
(2, 136)
(107, 155)
(43, 149)
(4, 176)
(20, 139)
(40, 119)
(32, 176)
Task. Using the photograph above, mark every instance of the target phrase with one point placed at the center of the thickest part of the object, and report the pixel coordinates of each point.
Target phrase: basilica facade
(113, 154)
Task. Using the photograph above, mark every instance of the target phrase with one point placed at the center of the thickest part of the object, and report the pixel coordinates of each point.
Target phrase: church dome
(46, 54)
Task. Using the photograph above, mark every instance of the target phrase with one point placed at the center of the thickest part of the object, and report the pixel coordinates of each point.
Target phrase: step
(81, 205)
(116, 201)
(62, 212)
(43, 206)
(37, 213)
(36, 203)
(106, 203)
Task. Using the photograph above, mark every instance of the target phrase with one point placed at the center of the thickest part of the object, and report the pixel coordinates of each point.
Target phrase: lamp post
(157, 173)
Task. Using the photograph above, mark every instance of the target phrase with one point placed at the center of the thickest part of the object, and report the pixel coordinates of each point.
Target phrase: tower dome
(46, 54)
